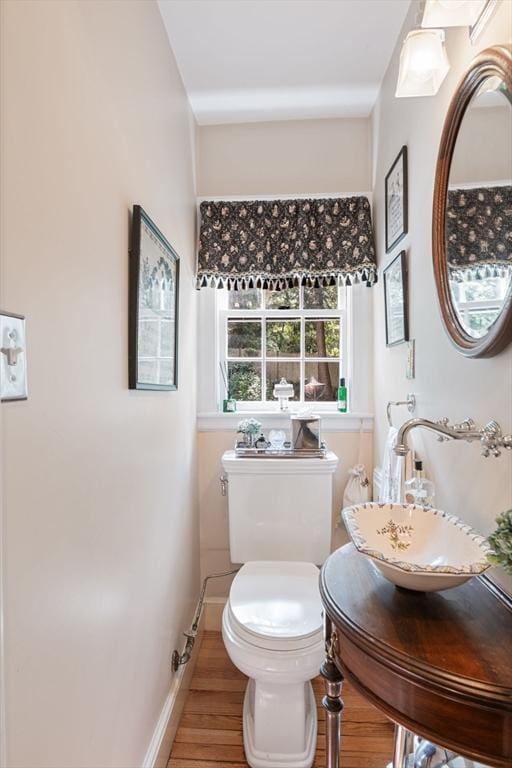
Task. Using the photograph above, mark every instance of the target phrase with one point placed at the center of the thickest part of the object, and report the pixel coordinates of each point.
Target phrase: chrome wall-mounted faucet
(491, 437)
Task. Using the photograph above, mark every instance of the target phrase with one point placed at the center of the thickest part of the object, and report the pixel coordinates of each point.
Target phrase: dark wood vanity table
(437, 663)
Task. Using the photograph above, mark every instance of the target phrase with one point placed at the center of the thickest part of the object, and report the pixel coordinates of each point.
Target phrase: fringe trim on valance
(272, 283)
(279, 244)
(480, 272)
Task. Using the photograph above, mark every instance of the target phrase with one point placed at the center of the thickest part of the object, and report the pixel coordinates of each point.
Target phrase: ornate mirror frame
(490, 62)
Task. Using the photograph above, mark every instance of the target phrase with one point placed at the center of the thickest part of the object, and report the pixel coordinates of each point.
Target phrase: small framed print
(396, 201)
(153, 326)
(13, 357)
(395, 301)
(410, 370)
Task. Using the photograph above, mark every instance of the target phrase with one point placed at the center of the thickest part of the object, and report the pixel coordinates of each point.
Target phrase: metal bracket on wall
(410, 403)
(181, 658)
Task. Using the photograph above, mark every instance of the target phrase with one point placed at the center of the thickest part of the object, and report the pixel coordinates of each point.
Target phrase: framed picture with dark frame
(153, 310)
(395, 301)
(396, 204)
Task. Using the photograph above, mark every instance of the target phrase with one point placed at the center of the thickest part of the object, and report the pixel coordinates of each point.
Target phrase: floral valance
(279, 244)
(479, 231)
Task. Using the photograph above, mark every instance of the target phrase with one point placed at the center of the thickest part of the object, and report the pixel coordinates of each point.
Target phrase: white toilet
(280, 528)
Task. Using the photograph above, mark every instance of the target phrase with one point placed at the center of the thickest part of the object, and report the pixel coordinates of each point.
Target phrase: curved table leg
(332, 702)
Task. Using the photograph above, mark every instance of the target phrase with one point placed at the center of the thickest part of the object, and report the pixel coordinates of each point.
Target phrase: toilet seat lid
(277, 600)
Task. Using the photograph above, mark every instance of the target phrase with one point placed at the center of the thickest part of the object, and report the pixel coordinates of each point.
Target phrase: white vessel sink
(417, 548)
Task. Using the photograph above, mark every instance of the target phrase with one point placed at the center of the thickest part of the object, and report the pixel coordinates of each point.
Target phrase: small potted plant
(501, 542)
(250, 429)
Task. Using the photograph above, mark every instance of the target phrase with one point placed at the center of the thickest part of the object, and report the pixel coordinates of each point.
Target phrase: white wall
(99, 482)
(288, 157)
(446, 384)
(271, 159)
(483, 151)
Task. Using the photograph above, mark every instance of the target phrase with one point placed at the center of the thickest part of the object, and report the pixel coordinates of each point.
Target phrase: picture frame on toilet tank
(154, 307)
(13, 357)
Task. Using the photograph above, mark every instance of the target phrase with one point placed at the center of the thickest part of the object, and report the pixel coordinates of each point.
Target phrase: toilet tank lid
(237, 465)
(277, 599)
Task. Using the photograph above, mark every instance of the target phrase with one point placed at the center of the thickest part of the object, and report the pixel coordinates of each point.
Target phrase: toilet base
(271, 727)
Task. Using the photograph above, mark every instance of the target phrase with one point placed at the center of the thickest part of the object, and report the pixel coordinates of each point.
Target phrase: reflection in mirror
(478, 216)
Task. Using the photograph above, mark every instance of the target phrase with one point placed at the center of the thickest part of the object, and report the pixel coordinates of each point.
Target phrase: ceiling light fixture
(452, 13)
(423, 63)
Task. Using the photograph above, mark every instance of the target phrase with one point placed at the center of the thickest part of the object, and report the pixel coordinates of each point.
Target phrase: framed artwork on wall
(153, 311)
(395, 301)
(396, 201)
(13, 357)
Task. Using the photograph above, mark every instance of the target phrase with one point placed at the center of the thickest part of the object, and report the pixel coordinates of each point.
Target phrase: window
(298, 334)
(479, 302)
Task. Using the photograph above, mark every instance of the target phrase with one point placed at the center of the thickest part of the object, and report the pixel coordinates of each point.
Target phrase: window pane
(322, 338)
(148, 337)
(248, 299)
(321, 298)
(487, 289)
(288, 299)
(244, 338)
(276, 371)
(321, 381)
(244, 381)
(478, 321)
(166, 338)
(283, 338)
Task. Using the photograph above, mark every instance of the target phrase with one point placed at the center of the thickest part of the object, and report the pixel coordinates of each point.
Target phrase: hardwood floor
(210, 730)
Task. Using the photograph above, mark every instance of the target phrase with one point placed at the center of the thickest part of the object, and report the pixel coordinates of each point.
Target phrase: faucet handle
(444, 422)
(493, 429)
(466, 426)
(491, 438)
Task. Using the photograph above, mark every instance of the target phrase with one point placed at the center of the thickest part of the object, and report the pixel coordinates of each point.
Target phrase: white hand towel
(391, 470)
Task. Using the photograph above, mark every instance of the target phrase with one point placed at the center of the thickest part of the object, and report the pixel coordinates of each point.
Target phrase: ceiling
(252, 60)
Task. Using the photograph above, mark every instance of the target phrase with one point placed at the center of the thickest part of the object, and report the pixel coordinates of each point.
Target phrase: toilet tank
(279, 509)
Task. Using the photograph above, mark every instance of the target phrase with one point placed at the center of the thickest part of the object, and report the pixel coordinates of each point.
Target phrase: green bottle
(342, 397)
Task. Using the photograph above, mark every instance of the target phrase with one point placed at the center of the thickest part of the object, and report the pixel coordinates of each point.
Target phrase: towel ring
(410, 403)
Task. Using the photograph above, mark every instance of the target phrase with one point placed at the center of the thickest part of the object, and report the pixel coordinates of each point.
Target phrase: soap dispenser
(418, 490)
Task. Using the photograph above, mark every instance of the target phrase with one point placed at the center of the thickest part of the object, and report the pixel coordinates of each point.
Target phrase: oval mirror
(472, 220)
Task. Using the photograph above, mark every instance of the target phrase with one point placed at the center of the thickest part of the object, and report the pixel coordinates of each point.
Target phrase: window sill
(332, 421)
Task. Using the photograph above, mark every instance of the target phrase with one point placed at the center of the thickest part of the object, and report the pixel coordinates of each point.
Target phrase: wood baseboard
(162, 740)
(212, 614)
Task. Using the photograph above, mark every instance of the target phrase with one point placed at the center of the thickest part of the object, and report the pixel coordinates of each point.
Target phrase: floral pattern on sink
(395, 534)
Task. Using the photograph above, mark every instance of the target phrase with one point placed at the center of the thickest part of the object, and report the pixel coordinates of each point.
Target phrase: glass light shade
(423, 63)
(451, 13)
